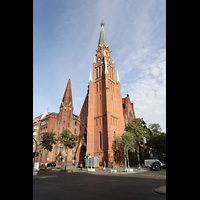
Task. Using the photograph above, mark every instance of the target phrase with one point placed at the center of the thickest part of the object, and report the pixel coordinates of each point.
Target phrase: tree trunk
(128, 159)
(125, 158)
(66, 157)
(138, 155)
(46, 159)
(41, 156)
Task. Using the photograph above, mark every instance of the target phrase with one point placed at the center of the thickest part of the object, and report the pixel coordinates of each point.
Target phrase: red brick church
(103, 115)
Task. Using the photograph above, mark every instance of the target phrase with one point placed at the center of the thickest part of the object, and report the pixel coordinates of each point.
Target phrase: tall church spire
(102, 37)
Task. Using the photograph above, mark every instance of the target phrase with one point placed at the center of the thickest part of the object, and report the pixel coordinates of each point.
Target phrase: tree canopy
(157, 142)
(48, 139)
(134, 135)
(138, 130)
(67, 139)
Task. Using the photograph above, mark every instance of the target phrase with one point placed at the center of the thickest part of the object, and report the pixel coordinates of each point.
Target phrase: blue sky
(65, 37)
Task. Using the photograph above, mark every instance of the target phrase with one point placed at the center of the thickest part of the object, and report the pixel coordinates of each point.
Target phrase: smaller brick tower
(64, 122)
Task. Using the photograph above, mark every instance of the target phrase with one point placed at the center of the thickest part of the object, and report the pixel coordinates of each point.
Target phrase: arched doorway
(82, 153)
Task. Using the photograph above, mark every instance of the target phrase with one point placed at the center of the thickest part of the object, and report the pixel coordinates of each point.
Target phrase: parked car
(51, 164)
(148, 162)
(155, 166)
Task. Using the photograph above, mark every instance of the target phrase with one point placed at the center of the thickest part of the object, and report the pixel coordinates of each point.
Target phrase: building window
(75, 131)
(69, 114)
(97, 72)
(65, 113)
(63, 122)
(63, 129)
(75, 123)
(68, 124)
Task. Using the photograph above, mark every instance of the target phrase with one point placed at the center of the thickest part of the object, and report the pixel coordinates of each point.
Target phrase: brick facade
(103, 115)
(128, 109)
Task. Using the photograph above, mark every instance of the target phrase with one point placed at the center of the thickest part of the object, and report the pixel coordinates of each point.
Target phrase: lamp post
(125, 157)
(87, 139)
(35, 151)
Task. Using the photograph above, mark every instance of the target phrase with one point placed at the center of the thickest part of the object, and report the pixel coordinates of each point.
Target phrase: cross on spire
(102, 23)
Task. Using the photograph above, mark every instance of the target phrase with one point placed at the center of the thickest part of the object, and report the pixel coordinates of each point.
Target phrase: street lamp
(35, 151)
(74, 118)
(125, 157)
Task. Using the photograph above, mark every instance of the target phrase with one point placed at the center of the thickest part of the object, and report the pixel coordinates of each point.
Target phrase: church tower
(66, 110)
(105, 113)
(64, 122)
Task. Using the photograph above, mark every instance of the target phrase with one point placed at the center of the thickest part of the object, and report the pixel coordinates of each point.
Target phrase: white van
(148, 162)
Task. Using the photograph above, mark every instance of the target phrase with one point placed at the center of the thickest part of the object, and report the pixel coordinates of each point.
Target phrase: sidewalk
(161, 189)
(120, 170)
(115, 170)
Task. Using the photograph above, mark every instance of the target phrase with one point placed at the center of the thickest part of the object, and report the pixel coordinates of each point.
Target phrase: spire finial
(102, 23)
(90, 77)
(117, 77)
(112, 60)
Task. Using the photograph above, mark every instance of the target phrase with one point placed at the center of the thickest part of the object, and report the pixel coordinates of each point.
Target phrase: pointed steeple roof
(102, 37)
(67, 97)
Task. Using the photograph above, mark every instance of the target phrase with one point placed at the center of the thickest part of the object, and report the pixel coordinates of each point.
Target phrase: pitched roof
(102, 37)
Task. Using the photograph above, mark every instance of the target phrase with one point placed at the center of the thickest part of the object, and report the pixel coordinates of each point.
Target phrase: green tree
(139, 132)
(136, 131)
(48, 139)
(126, 143)
(155, 128)
(68, 140)
(157, 142)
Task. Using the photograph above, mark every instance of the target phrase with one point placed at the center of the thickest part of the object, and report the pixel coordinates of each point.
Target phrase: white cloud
(147, 89)
(65, 43)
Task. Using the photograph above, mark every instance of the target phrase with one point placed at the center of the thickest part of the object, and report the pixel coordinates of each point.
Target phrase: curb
(43, 177)
(161, 190)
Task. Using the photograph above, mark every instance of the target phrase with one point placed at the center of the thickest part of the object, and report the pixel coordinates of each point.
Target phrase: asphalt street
(82, 186)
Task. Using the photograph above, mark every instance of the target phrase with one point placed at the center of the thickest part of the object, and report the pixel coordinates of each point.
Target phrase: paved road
(81, 186)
